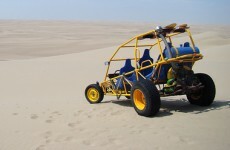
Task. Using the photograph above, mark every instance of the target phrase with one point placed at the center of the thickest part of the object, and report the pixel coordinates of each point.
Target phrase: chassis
(144, 80)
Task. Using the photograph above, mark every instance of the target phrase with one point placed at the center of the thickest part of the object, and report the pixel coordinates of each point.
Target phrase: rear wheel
(206, 95)
(145, 98)
(94, 93)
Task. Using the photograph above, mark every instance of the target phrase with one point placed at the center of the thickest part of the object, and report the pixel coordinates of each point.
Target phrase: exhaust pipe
(160, 33)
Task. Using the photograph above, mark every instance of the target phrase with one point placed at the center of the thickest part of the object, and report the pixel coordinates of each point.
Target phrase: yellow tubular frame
(185, 58)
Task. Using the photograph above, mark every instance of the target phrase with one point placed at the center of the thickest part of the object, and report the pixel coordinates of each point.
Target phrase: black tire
(145, 98)
(205, 96)
(94, 93)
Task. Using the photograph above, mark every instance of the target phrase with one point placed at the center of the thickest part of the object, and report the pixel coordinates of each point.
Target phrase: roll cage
(158, 37)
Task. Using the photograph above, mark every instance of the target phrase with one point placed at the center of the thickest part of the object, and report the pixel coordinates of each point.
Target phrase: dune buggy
(155, 65)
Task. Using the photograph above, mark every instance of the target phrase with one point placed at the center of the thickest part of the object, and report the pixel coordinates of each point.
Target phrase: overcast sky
(189, 11)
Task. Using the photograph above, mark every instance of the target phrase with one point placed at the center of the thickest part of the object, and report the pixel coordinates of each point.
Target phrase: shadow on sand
(168, 106)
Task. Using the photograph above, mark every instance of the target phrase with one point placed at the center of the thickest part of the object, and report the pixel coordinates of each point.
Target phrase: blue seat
(143, 63)
(127, 68)
(133, 77)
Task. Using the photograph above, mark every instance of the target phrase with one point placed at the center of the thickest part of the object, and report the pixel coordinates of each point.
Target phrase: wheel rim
(197, 95)
(139, 99)
(93, 94)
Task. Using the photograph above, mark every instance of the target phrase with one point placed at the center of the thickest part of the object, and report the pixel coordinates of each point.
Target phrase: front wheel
(206, 95)
(145, 98)
(94, 93)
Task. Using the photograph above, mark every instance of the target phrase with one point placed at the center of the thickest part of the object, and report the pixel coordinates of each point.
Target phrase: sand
(46, 66)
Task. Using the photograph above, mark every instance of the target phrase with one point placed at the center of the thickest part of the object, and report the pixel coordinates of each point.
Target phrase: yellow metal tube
(191, 39)
(141, 45)
(107, 70)
(170, 39)
(121, 59)
(114, 55)
(159, 45)
(135, 54)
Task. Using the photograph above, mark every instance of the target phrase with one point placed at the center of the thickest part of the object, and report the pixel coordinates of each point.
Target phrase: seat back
(144, 61)
(127, 67)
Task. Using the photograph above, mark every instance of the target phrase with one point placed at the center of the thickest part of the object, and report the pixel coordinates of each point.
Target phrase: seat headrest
(128, 62)
(146, 53)
(127, 67)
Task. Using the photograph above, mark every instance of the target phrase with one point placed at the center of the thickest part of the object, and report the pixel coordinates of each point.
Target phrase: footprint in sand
(41, 147)
(89, 116)
(114, 141)
(16, 131)
(57, 113)
(49, 121)
(33, 116)
(48, 141)
(52, 116)
(62, 138)
(72, 125)
(18, 106)
(69, 138)
(47, 136)
(75, 114)
(15, 114)
(78, 113)
(87, 142)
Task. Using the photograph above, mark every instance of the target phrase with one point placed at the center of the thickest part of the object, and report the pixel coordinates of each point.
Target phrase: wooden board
(183, 26)
(171, 26)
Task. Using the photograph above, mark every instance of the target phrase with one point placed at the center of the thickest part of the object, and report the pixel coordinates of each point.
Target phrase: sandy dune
(42, 103)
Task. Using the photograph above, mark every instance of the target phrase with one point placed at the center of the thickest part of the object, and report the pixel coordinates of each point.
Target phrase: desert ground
(46, 65)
